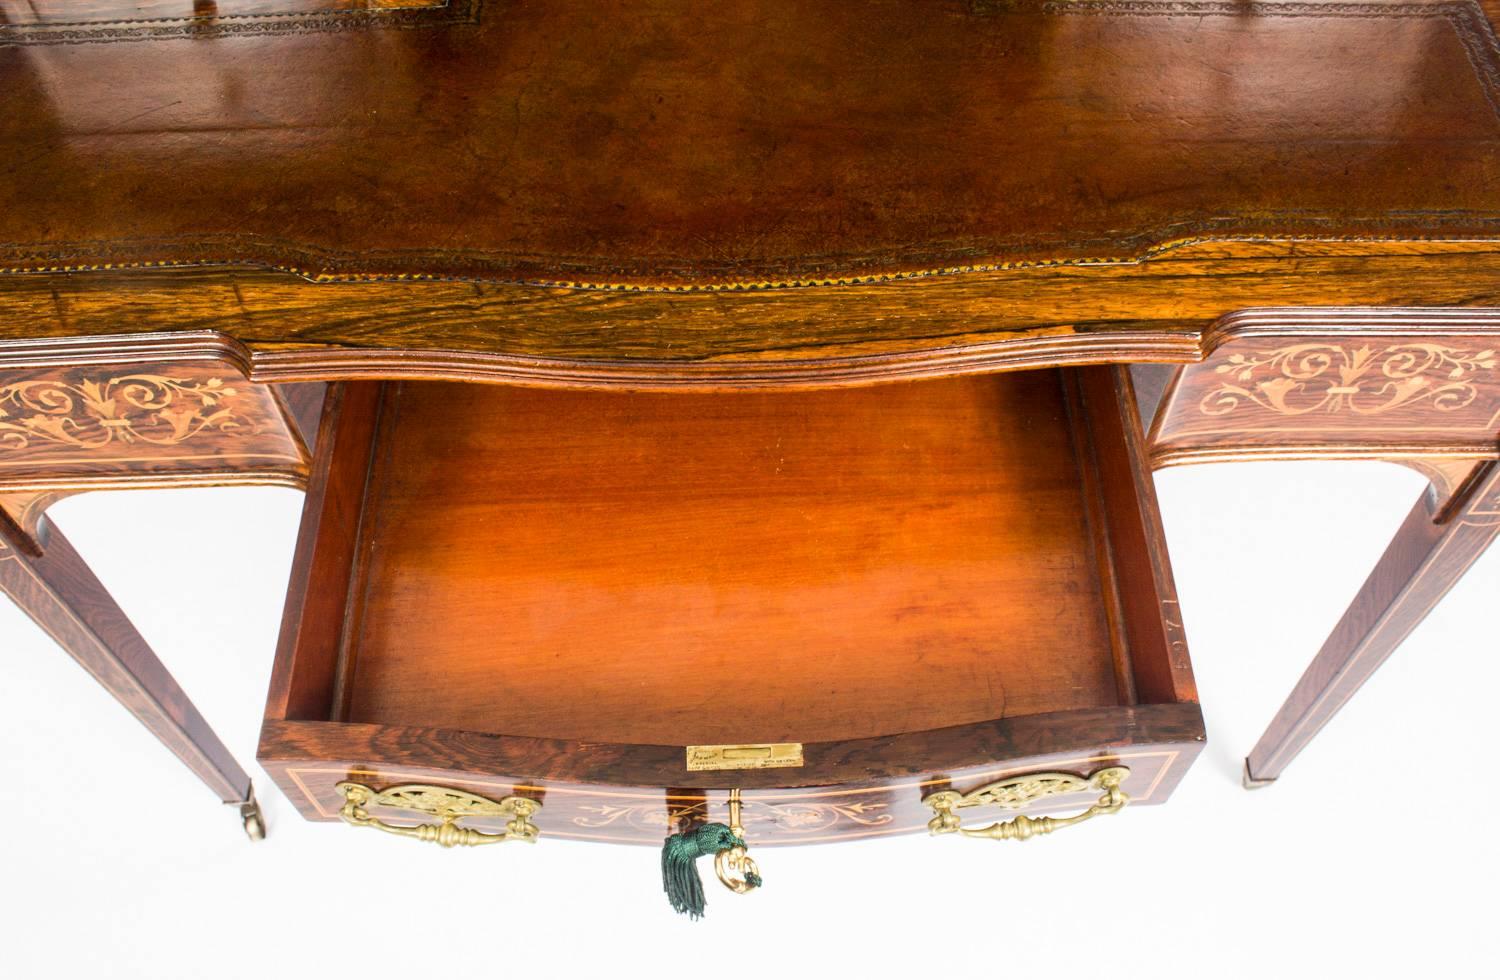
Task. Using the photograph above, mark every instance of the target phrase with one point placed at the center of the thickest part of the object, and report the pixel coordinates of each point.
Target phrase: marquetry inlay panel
(1333, 393)
(790, 817)
(132, 423)
(1368, 379)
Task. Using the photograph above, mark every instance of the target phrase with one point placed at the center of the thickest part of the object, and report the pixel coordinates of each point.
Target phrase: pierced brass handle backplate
(1022, 791)
(448, 805)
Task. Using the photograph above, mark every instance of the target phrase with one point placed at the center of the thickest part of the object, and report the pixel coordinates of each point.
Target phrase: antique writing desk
(742, 399)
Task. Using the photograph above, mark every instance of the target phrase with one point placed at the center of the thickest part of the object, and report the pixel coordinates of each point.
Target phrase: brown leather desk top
(1122, 170)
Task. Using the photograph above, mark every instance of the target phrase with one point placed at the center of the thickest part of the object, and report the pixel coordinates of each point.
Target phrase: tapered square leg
(1436, 544)
(54, 586)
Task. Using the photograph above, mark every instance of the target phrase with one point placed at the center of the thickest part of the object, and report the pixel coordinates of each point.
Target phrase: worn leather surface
(674, 143)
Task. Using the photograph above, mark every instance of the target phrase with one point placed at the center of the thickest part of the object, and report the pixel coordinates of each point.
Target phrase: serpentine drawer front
(520, 614)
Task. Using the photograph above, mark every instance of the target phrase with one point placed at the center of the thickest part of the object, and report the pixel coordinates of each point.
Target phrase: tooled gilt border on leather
(806, 270)
(1467, 19)
(1470, 25)
(231, 25)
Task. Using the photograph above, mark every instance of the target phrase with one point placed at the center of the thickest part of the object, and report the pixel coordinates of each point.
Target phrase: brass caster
(1250, 782)
(252, 819)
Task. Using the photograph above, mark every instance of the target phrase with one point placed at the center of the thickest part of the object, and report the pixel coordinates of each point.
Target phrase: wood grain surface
(729, 567)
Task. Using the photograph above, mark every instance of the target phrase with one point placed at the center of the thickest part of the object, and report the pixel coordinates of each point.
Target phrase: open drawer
(859, 606)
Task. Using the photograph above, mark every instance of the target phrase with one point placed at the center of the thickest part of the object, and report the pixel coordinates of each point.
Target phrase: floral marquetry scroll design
(132, 408)
(648, 816)
(1303, 378)
(793, 818)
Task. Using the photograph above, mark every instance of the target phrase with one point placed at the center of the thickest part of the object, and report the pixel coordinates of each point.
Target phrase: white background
(1373, 856)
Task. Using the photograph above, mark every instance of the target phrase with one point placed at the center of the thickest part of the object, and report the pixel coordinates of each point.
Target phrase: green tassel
(679, 868)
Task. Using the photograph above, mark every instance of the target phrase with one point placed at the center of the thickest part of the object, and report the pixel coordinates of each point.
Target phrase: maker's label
(775, 755)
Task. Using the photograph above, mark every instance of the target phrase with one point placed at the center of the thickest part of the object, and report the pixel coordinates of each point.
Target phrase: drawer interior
(724, 567)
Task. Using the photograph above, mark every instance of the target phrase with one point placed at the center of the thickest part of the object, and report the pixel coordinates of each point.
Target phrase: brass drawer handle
(1021, 791)
(449, 805)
